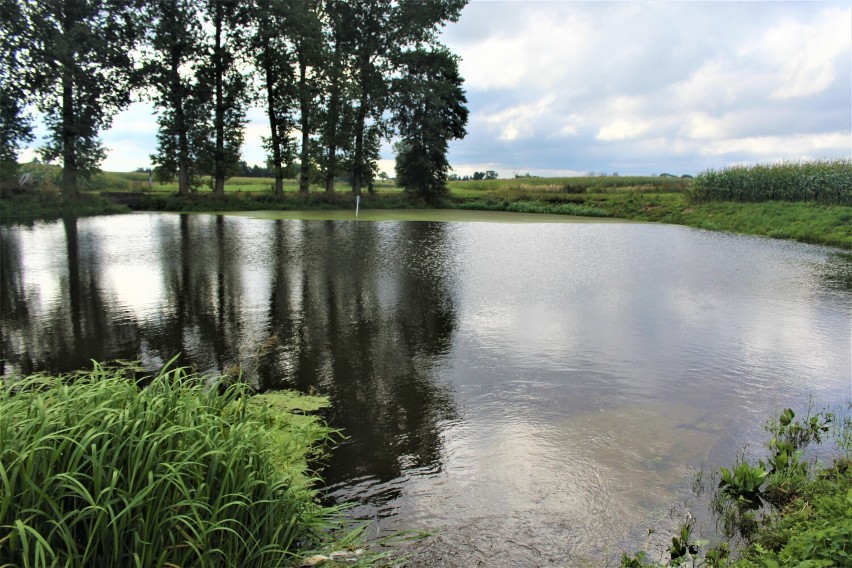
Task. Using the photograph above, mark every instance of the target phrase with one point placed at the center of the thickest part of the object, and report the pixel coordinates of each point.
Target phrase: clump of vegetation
(784, 510)
(825, 181)
(96, 470)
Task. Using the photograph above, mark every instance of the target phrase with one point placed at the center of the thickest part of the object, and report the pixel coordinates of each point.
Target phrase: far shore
(440, 215)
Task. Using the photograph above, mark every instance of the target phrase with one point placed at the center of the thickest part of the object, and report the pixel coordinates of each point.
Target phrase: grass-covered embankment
(96, 470)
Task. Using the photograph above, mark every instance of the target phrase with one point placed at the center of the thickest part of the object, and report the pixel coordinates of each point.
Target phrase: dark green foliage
(47, 205)
(97, 471)
(430, 111)
(80, 68)
(15, 122)
(742, 484)
(175, 41)
(814, 530)
(381, 28)
(828, 181)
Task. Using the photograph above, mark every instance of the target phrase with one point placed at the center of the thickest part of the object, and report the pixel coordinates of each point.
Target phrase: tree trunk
(219, 119)
(304, 104)
(180, 125)
(358, 158)
(331, 126)
(69, 128)
(69, 155)
(274, 140)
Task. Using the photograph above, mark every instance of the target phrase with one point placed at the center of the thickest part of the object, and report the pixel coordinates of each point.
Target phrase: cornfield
(825, 181)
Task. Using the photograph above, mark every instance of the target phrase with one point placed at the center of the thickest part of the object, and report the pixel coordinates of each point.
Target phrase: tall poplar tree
(175, 50)
(274, 61)
(221, 73)
(80, 58)
(306, 35)
(335, 116)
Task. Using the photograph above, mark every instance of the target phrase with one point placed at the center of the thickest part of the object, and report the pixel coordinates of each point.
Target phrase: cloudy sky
(563, 88)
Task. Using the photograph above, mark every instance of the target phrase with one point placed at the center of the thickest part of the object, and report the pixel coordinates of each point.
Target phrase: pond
(533, 394)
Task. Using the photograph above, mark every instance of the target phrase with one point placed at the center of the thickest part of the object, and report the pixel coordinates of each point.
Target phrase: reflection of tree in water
(15, 319)
(366, 316)
(80, 325)
(202, 315)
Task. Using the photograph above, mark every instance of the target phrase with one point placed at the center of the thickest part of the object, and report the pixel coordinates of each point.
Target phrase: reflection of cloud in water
(584, 485)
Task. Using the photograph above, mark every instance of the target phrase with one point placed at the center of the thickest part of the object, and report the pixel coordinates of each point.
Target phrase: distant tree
(429, 111)
(478, 176)
(80, 59)
(491, 174)
(15, 121)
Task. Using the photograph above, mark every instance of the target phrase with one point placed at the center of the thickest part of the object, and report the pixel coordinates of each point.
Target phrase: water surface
(536, 394)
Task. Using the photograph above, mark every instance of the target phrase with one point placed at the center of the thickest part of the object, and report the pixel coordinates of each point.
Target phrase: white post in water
(357, 203)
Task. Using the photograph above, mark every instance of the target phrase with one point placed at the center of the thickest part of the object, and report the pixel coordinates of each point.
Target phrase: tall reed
(824, 181)
(98, 471)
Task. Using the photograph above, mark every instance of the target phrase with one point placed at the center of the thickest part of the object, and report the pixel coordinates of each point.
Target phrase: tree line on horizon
(335, 78)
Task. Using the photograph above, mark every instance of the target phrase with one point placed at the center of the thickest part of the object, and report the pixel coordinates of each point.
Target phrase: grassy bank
(96, 470)
(49, 205)
(653, 199)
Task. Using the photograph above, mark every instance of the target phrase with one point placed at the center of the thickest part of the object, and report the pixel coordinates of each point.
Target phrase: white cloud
(518, 122)
(622, 130)
(803, 54)
(809, 146)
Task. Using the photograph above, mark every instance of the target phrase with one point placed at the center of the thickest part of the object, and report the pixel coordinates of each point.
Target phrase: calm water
(537, 394)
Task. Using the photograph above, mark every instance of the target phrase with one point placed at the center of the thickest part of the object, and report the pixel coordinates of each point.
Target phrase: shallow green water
(439, 215)
(535, 393)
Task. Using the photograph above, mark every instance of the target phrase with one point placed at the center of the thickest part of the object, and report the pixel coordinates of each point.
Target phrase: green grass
(96, 470)
(804, 222)
(50, 205)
